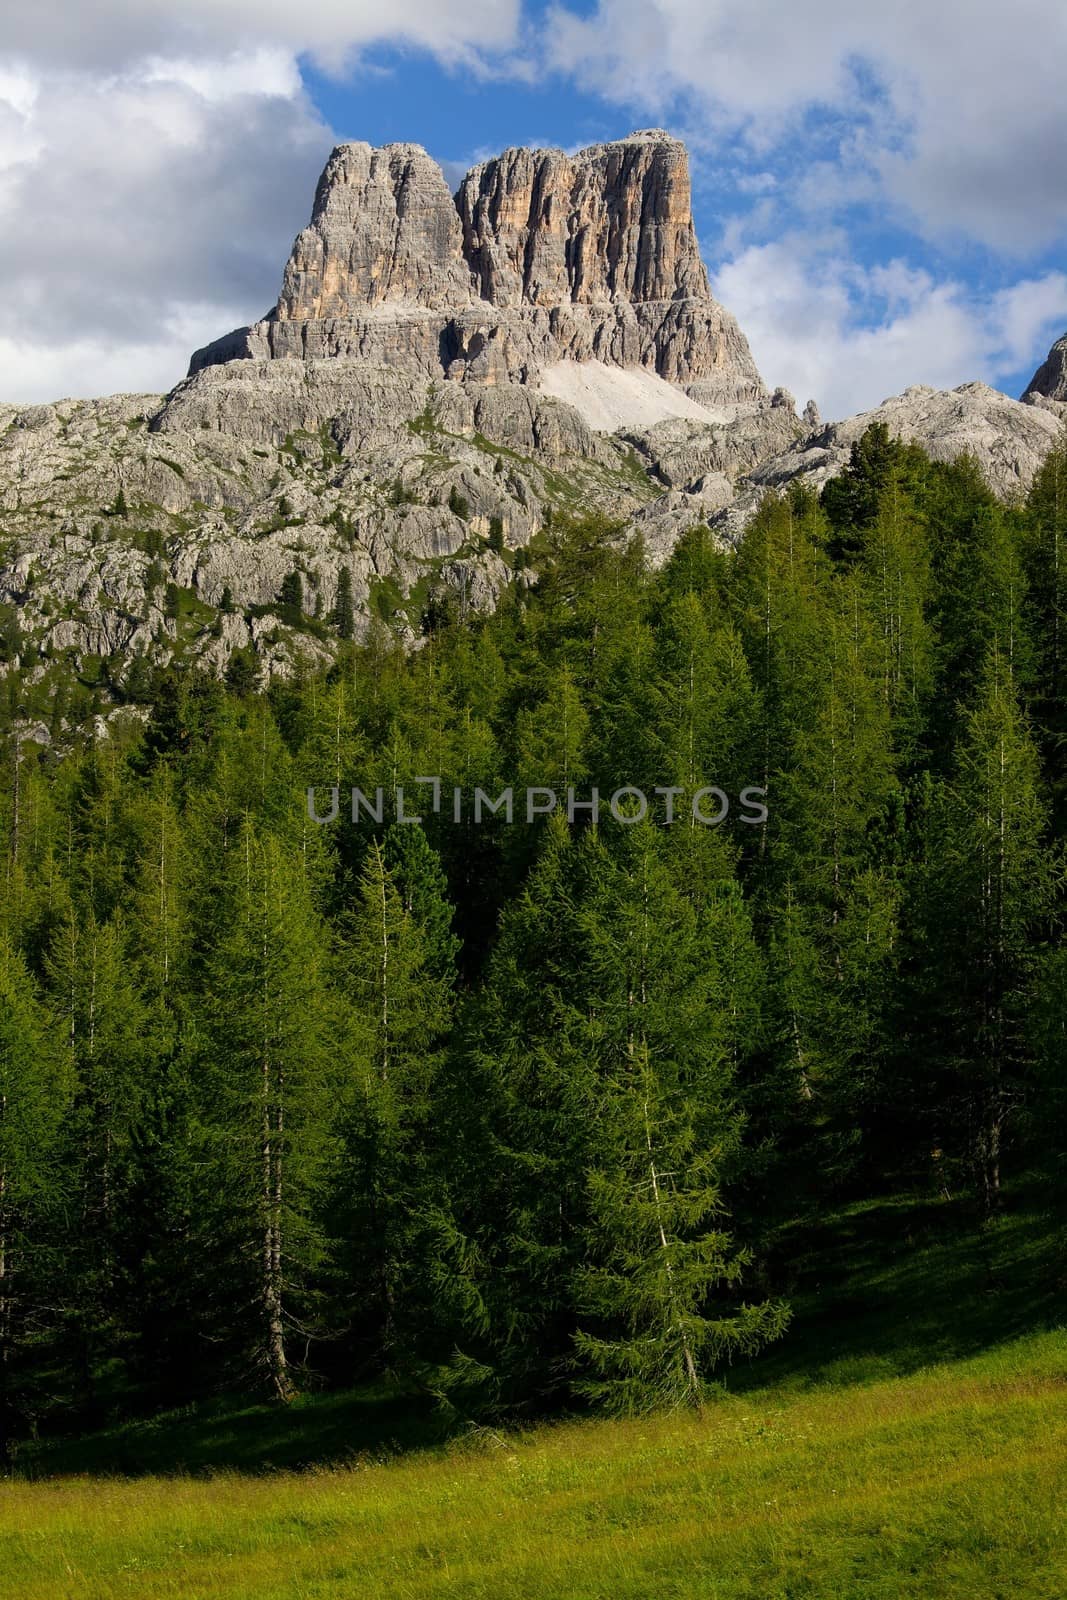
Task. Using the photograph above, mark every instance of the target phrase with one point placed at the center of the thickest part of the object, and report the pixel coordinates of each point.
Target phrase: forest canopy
(514, 1110)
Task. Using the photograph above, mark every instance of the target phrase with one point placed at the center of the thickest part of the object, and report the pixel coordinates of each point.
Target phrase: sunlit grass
(949, 1482)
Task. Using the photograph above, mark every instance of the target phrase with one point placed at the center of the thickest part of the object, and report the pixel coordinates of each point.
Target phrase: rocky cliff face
(383, 231)
(540, 258)
(611, 223)
(1049, 382)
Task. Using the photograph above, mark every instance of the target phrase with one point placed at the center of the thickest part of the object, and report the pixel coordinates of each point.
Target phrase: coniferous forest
(514, 1112)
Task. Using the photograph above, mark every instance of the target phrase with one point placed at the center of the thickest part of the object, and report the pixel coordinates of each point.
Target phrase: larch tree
(269, 1107)
(988, 890)
(36, 1090)
(396, 965)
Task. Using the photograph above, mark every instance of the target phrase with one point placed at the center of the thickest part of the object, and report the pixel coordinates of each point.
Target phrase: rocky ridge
(440, 377)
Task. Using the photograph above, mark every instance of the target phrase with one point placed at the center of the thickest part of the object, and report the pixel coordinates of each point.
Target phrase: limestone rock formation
(439, 376)
(1009, 440)
(541, 258)
(384, 230)
(1049, 382)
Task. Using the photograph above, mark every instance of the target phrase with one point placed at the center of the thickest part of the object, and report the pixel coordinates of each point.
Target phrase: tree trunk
(271, 1288)
(688, 1361)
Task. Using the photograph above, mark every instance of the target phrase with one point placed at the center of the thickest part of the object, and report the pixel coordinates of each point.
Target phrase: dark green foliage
(242, 674)
(458, 503)
(524, 1112)
(291, 598)
(343, 616)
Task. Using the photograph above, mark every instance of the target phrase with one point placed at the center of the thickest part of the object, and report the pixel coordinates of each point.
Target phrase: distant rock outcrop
(1049, 382)
(1008, 440)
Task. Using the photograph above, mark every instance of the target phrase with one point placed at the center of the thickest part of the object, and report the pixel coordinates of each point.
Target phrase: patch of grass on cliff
(946, 1485)
(386, 599)
(424, 423)
(632, 470)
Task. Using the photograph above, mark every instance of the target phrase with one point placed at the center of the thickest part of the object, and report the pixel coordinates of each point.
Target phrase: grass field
(951, 1482)
(908, 1441)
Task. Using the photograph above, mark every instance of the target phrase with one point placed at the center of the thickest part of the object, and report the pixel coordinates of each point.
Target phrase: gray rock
(1008, 439)
(387, 419)
(542, 257)
(1049, 382)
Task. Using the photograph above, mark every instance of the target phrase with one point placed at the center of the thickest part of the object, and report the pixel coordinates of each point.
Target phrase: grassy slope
(909, 1439)
(946, 1483)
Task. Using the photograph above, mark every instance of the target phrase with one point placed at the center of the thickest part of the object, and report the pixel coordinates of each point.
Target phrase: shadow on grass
(879, 1289)
(374, 1423)
(885, 1287)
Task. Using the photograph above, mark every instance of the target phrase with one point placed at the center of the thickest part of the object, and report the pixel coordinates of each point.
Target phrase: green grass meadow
(906, 1441)
(951, 1482)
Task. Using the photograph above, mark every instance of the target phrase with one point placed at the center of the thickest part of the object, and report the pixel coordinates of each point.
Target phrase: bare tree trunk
(271, 1289)
(688, 1361)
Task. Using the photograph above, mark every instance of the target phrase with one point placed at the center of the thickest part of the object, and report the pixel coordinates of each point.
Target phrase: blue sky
(879, 198)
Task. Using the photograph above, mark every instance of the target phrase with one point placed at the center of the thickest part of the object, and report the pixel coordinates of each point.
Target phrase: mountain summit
(539, 258)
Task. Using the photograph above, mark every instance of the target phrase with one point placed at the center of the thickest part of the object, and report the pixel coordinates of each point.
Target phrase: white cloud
(82, 367)
(957, 105)
(109, 34)
(850, 338)
(140, 206)
(157, 160)
(264, 72)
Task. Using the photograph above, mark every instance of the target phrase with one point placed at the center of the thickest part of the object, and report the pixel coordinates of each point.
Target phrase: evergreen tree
(606, 974)
(291, 595)
(269, 1104)
(985, 896)
(36, 1087)
(396, 969)
(1044, 537)
(343, 616)
(94, 990)
(661, 1258)
(419, 878)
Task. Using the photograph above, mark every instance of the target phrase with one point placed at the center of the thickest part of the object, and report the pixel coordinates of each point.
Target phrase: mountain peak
(539, 257)
(1049, 382)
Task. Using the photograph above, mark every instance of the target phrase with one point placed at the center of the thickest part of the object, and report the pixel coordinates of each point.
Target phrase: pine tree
(93, 988)
(831, 890)
(343, 616)
(396, 971)
(36, 1087)
(986, 894)
(661, 1258)
(895, 564)
(270, 1103)
(1044, 537)
(291, 595)
(416, 872)
(608, 989)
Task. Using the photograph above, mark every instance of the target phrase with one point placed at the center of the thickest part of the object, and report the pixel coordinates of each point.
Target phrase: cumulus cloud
(156, 162)
(961, 110)
(850, 337)
(140, 209)
(102, 34)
